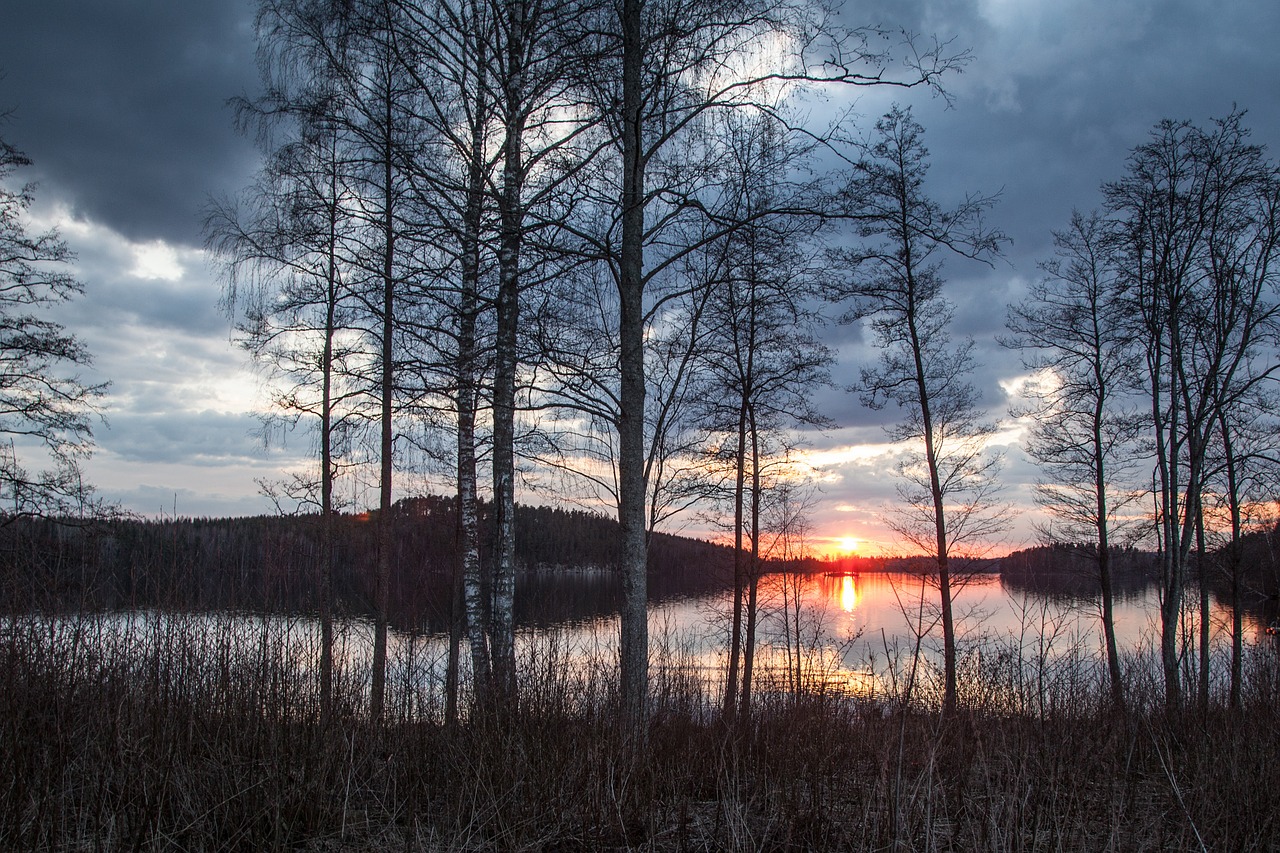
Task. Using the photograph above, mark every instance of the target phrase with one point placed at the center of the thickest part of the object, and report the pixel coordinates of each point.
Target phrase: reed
(203, 732)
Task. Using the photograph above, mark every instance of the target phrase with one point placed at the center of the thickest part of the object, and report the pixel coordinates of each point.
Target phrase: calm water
(859, 634)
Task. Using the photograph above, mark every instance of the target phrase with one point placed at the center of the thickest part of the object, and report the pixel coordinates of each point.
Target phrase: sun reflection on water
(848, 593)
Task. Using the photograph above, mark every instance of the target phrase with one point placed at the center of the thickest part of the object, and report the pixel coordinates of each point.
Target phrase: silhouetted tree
(286, 262)
(665, 66)
(45, 415)
(761, 353)
(1081, 432)
(445, 48)
(895, 286)
(1195, 224)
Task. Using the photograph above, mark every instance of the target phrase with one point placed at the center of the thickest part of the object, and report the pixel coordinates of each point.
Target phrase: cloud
(122, 107)
(202, 438)
(153, 499)
(154, 286)
(156, 260)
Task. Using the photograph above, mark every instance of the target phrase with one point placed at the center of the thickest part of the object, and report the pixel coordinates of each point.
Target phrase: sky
(122, 106)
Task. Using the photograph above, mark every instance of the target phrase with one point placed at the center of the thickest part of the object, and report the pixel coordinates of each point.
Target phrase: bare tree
(513, 65)
(321, 237)
(762, 355)
(666, 65)
(1238, 341)
(540, 46)
(444, 48)
(896, 287)
(42, 413)
(351, 48)
(1197, 247)
(1081, 432)
(285, 263)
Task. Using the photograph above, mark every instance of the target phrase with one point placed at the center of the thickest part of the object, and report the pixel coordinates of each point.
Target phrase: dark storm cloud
(122, 106)
(1059, 93)
(1054, 98)
(156, 305)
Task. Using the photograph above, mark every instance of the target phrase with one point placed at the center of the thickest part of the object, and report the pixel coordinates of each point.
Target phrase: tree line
(268, 563)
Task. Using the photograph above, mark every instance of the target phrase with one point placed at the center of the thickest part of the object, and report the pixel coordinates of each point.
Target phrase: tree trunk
(382, 583)
(468, 514)
(753, 573)
(511, 227)
(1202, 565)
(1104, 554)
(1171, 601)
(475, 615)
(634, 633)
(326, 456)
(949, 696)
(739, 567)
(457, 629)
(1233, 556)
(1109, 625)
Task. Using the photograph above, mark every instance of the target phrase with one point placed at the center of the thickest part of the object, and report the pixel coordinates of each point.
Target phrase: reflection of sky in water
(845, 627)
(848, 633)
(849, 626)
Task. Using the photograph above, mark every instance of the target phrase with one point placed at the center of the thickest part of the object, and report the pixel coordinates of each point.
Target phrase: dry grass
(190, 733)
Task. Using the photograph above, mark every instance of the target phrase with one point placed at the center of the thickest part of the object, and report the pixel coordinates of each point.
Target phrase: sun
(847, 544)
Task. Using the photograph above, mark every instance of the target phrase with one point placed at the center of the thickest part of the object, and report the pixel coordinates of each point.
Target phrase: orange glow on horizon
(842, 545)
(835, 546)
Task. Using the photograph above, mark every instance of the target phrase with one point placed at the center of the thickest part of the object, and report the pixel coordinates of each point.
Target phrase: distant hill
(271, 562)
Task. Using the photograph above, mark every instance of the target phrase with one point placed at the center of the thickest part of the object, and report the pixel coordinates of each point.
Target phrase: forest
(268, 563)
(593, 251)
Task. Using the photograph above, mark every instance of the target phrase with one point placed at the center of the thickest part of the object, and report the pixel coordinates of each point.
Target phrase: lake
(860, 633)
(867, 635)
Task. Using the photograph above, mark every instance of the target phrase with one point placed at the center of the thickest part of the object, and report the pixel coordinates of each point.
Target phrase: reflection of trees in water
(548, 598)
(1068, 574)
(1073, 589)
(268, 564)
(1260, 576)
(551, 597)
(1258, 602)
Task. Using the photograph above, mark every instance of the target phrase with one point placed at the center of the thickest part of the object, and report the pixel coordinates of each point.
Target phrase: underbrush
(194, 734)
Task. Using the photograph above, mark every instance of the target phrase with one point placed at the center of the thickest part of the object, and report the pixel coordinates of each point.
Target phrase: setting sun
(847, 544)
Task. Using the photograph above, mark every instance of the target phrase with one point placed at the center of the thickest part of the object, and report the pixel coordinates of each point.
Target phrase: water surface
(873, 635)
